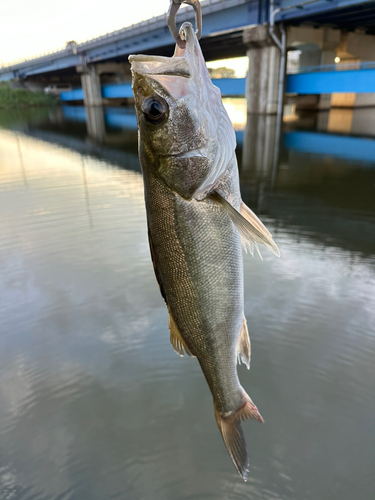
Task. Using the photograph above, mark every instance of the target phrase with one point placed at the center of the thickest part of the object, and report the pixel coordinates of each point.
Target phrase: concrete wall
(320, 46)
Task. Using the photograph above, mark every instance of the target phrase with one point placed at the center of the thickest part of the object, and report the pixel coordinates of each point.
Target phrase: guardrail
(332, 67)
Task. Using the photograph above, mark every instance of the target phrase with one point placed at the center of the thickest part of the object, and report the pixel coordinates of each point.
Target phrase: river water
(94, 403)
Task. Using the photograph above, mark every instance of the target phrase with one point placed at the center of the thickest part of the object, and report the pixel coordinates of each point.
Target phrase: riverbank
(23, 98)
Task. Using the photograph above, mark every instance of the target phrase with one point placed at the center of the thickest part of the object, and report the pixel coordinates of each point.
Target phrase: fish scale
(201, 274)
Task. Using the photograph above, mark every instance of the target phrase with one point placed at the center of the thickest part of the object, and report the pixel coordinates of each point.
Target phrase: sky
(29, 27)
(32, 27)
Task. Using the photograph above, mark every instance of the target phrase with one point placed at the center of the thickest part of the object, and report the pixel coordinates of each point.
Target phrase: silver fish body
(196, 220)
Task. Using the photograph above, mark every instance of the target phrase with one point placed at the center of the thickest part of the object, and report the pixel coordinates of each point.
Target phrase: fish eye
(154, 109)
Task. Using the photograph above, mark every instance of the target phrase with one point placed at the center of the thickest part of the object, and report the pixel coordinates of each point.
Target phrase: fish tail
(230, 427)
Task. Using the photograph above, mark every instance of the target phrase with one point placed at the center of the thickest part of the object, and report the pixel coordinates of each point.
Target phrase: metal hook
(171, 19)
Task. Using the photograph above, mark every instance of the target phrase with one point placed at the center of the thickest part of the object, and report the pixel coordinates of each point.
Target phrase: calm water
(94, 403)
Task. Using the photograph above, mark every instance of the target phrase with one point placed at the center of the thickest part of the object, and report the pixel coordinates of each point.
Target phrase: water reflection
(94, 402)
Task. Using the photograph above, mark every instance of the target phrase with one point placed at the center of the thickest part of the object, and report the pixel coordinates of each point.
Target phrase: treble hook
(171, 20)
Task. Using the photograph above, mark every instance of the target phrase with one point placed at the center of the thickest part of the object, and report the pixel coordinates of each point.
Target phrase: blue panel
(117, 90)
(121, 118)
(72, 95)
(331, 81)
(239, 136)
(230, 86)
(75, 113)
(352, 148)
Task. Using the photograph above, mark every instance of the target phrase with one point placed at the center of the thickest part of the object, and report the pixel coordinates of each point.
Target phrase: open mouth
(189, 154)
(160, 65)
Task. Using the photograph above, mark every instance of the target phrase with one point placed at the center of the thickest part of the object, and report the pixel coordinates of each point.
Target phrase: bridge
(320, 30)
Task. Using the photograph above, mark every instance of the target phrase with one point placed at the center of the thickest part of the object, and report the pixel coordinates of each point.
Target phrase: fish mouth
(172, 73)
(189, 154)
(159, 65)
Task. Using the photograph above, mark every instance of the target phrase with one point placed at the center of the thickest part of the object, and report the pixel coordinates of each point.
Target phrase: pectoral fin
(243, 346)
(177, 341)
(254, 220)
(251, 230)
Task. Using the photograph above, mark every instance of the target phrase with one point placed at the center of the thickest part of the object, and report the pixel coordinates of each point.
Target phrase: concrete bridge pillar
(90, 80)
(264, 69)
(258, 169)
(95, 123)
(92, 76)
(259, 144)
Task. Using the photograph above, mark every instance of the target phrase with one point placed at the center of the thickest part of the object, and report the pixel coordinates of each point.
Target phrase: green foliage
(22, 98)
(222, 72)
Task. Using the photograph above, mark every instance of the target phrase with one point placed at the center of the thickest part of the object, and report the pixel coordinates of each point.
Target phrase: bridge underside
(354, 17)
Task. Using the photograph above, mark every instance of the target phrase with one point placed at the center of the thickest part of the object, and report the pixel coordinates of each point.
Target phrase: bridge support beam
(259, 145)
(90, 80)
(95, 123)
(259, 165)
(264, 70)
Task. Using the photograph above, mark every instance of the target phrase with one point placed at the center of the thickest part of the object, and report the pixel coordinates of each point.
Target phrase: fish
(197, 223)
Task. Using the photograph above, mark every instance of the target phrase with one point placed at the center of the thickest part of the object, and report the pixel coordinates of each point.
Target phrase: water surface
(94, 402)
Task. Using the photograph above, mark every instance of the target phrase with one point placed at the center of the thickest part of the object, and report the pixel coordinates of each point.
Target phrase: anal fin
(177, 341)
(243, 346)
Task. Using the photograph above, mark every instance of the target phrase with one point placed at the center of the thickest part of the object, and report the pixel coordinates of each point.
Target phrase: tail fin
(231, 431)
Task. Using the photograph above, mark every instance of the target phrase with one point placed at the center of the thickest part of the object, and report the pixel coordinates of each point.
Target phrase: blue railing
(328, 82)
(341, 146)
(228, 87)
(333, 67)
(348, 77)
(112, 91)
(72, 95)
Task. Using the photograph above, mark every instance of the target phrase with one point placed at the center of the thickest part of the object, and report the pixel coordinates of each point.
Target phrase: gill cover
(195, 141)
